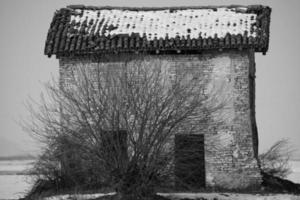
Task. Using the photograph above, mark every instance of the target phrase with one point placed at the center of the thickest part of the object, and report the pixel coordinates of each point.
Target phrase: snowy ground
(230, 196)
(78, 196)
(178, 196)
(13, 186)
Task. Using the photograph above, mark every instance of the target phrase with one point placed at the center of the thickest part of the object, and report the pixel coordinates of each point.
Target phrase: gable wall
(229, 151)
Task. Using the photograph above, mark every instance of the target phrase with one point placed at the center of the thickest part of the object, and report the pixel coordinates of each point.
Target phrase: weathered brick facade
(230, 134)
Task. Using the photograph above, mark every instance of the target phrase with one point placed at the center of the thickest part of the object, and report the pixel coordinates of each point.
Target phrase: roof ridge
(251, 7)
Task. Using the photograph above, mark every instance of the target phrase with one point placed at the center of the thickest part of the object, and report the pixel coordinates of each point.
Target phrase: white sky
(23, 67)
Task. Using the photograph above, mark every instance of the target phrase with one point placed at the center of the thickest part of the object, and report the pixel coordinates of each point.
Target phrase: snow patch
(78, 196)
(160, 23)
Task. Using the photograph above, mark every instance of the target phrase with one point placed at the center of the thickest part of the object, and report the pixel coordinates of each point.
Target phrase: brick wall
(230, 132)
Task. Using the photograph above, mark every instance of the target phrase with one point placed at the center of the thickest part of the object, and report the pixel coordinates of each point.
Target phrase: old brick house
(220, 42)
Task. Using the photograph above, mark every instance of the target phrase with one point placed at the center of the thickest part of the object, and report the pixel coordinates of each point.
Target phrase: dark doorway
(189, 161)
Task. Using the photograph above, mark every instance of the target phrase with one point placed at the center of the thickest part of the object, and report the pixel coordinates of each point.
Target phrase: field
(13, 182)
(13, 186)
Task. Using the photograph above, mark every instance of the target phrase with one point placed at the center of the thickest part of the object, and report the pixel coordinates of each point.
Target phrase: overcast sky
(24, 68)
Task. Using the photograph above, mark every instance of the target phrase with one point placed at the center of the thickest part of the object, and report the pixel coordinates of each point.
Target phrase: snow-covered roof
(87, 30)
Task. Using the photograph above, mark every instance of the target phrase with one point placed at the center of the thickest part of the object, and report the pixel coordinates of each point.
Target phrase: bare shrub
(275, 161)
(101, 106)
